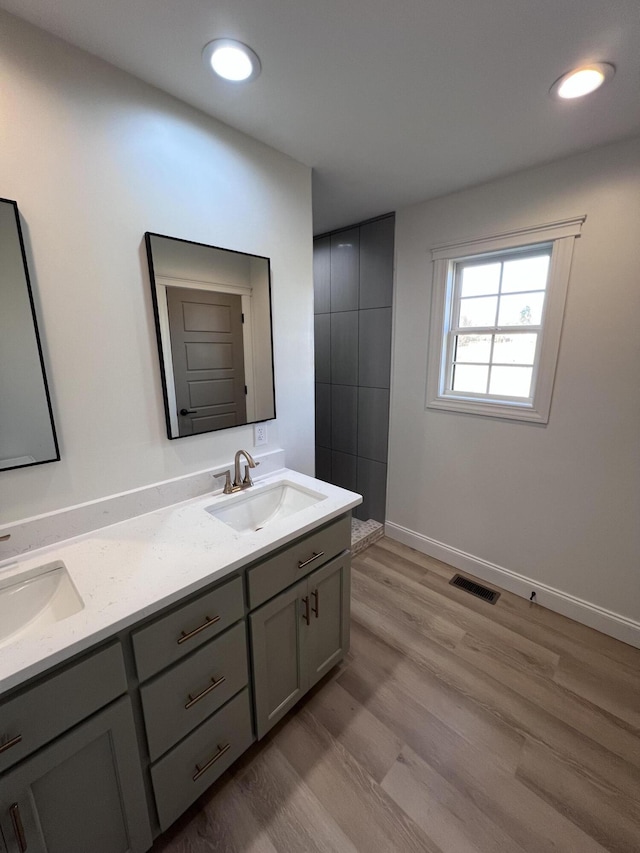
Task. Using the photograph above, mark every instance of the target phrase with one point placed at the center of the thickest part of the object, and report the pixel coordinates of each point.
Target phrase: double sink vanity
(139, 661)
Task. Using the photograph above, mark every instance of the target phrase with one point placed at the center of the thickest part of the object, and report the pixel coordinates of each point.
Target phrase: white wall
(558, 504)
(94, 158)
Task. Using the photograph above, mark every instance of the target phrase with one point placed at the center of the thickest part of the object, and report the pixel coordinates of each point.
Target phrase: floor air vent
(475, 589)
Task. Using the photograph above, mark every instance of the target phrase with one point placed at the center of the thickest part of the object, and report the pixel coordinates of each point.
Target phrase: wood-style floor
(453, 726)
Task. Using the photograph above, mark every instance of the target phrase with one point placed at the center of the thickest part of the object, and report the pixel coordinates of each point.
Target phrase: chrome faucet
(246, 481)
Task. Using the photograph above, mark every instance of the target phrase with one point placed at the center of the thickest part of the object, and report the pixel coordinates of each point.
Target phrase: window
(496, 317)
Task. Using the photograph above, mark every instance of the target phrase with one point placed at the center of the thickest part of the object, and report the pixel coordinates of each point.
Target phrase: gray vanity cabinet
(196, 705)
(164, 711)
(297, 637)
(169, 638)
(186, 771)
(279, 640)
(329, 600)
(81, 794)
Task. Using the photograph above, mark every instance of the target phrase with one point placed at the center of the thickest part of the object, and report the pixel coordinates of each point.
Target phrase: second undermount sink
(251, 510)
(34, 599)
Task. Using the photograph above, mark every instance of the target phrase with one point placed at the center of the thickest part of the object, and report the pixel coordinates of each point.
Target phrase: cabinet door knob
(316, 607)
(184, 412)
(18, 828)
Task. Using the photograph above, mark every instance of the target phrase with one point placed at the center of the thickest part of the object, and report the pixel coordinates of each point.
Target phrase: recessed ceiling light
(232, 60)
(582, 81)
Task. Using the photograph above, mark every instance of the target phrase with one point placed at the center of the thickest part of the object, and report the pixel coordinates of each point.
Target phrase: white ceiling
(389, 102)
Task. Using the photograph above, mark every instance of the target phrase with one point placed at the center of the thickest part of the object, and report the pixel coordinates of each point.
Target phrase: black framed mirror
(27, 431)
(212, 310)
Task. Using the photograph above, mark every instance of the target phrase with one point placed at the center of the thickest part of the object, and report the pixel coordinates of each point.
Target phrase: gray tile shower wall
(322, 333)
(344, 418)
(373, 423)
(344, 266)
(353, 284)
(344, 347)
(374, 347)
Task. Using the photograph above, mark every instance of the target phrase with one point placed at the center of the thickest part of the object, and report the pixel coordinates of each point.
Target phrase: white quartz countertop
(130, 570)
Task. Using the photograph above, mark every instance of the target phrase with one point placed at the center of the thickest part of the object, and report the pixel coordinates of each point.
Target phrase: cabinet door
(83, 792)
(279, 635)
(329, 594)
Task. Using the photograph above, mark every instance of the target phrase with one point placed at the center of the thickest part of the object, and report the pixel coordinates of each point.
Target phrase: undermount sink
(252, 510)
(34, 599)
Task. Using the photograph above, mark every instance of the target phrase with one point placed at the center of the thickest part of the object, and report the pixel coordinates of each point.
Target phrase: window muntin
(506, 368)
(497, 315)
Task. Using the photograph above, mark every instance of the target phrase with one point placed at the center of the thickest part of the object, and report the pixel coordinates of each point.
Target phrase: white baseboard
(613, 624)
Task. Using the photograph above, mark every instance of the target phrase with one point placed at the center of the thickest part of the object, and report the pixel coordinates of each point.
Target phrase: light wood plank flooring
(454, 726)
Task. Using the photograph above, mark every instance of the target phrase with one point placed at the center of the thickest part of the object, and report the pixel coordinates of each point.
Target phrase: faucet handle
(247, 481)
(228, 489)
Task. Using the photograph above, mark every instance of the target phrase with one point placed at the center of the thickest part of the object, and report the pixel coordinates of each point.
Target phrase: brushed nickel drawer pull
(311, 559)
(193, 699)
(5, 537)
(18, 828)
(187, 636)
(221, 751)
(316, 609)
(13, 742)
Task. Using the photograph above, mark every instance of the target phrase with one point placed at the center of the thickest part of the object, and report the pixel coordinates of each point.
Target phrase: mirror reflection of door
(208, 359)
(212, 378)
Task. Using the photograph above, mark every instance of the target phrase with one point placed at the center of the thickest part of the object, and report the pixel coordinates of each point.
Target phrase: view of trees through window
(496, 323)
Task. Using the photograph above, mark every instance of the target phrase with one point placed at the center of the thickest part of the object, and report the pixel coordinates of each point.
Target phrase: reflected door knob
(188, 411)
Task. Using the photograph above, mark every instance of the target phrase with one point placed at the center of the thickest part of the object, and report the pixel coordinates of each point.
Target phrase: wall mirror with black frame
(212, 311)
(27, 430)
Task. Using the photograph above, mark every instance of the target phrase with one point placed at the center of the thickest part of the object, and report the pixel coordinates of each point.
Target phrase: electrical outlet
(259, 434)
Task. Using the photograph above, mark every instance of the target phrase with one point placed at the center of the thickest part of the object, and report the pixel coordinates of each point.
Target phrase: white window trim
(562, 236)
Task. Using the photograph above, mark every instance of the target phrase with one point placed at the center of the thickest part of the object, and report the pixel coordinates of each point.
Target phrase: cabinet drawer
(58, 702)
(173, 636)
(296, 561)
(179, 699)
(188, 770)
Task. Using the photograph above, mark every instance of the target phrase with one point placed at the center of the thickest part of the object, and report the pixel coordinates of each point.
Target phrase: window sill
(491, 409)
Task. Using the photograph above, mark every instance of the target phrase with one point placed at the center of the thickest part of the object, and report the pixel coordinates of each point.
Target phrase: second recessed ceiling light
(582, 81)
(232, 60)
